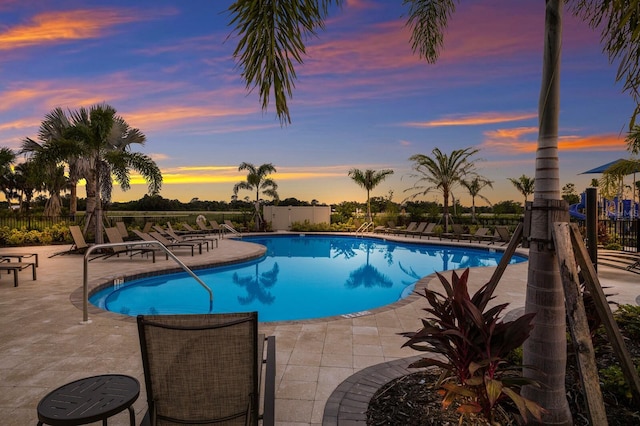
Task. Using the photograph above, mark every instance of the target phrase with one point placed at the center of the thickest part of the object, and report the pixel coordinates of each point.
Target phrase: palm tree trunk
(73, 199)
(90, 214)
(445, 210)
(52, 206)
(473, 209)
(545, 349)
(369, 207)
(98, 208)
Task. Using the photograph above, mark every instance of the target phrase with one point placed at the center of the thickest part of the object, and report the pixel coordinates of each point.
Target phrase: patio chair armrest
(268, 416)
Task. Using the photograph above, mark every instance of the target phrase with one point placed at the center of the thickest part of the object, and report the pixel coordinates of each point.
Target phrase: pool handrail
(85, 285)
(231, 229)
(364, 227)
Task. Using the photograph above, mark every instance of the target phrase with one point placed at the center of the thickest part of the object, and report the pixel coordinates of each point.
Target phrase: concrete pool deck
(43, 343)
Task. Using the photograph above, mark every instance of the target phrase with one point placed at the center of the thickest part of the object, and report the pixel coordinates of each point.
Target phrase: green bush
(613, 381)
(628, 318)
(19, 237)
(613, 246)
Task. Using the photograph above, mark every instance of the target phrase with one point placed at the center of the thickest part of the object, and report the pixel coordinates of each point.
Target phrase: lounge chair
(379, 229)
(154, 236)
(114, 237)
(207, 369)
(482, 234)
(216, 228)
(122, 229)
(417, 231)
(504, 236)
(147, 227)
(429, 230)
(410, 228)
(170, 244)
(392, 228)
(456, 231)
(191, 238)
(203, 227)
(79, 245)
(189, 230)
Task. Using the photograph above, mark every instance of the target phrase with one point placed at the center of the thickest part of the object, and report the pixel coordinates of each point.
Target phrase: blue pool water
(300, 277)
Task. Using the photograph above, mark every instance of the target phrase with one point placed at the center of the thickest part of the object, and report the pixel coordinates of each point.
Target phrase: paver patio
(44, 344)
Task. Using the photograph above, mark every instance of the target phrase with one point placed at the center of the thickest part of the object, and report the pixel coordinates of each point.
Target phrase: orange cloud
(514, 141)
(511, 140)
(474, 120)
(52, 27)
(167, 116)
(600, 143)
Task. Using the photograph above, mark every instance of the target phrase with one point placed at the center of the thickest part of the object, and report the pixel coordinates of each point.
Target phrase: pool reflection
(300, 277)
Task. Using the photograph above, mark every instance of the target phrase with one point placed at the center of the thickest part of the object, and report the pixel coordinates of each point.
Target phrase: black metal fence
(622, 232)
(35, 222)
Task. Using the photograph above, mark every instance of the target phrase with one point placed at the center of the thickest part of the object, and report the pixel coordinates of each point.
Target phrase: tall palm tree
(103, 139)
(525, 185)
(369, 179)
(442, 172)
(52, 135)
(258, 180)
(474, 186)
(271, 36)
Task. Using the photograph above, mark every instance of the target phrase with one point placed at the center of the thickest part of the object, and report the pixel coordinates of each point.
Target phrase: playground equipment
(612, 209)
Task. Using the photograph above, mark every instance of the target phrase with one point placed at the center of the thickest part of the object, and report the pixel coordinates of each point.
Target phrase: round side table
(89, 400)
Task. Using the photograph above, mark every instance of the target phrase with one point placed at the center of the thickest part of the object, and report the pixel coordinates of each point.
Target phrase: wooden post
(516, 238)
(593, 286)
(578, 326)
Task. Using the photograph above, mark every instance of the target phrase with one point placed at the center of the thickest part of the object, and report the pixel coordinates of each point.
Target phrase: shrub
(613, 246)
(614, 382)
(475, 345)
(628, 317)
(18, 237)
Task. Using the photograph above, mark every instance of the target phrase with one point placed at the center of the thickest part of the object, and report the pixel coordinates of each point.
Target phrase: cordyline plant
(474, 344)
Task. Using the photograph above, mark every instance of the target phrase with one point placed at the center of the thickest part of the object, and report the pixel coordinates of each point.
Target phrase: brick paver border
(348, 403)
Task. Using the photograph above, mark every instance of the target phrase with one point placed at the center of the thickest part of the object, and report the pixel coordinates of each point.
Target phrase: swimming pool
(299, 277)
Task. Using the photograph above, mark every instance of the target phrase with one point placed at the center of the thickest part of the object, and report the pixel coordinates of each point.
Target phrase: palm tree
(7, 177)
(28, 181)
(633, 140)
(52, 173)
(269, 39)
(442, 172)
(369, 179)
(525, 185)
(102, 139)
(51, 134)
(258, 180)
(474, 186)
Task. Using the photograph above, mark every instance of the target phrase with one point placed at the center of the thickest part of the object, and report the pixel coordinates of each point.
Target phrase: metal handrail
(233, 231)
(364, 227)
(85, 285)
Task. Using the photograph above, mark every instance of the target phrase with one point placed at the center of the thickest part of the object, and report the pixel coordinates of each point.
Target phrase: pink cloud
(474, 119)
(53, 27)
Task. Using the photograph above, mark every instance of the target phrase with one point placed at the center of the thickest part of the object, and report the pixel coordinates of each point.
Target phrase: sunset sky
(362, 98)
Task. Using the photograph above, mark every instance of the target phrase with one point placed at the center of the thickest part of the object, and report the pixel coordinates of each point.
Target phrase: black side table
(89, 400)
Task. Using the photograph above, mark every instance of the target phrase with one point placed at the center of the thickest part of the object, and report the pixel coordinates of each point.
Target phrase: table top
(88, 400)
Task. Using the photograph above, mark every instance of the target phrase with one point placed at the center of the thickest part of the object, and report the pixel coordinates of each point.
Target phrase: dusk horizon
(362, 100)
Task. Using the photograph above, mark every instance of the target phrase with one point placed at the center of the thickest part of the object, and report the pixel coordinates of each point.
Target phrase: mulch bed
(412, 400)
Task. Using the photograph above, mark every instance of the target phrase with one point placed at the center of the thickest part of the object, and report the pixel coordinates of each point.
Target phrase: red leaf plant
(470, 345)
